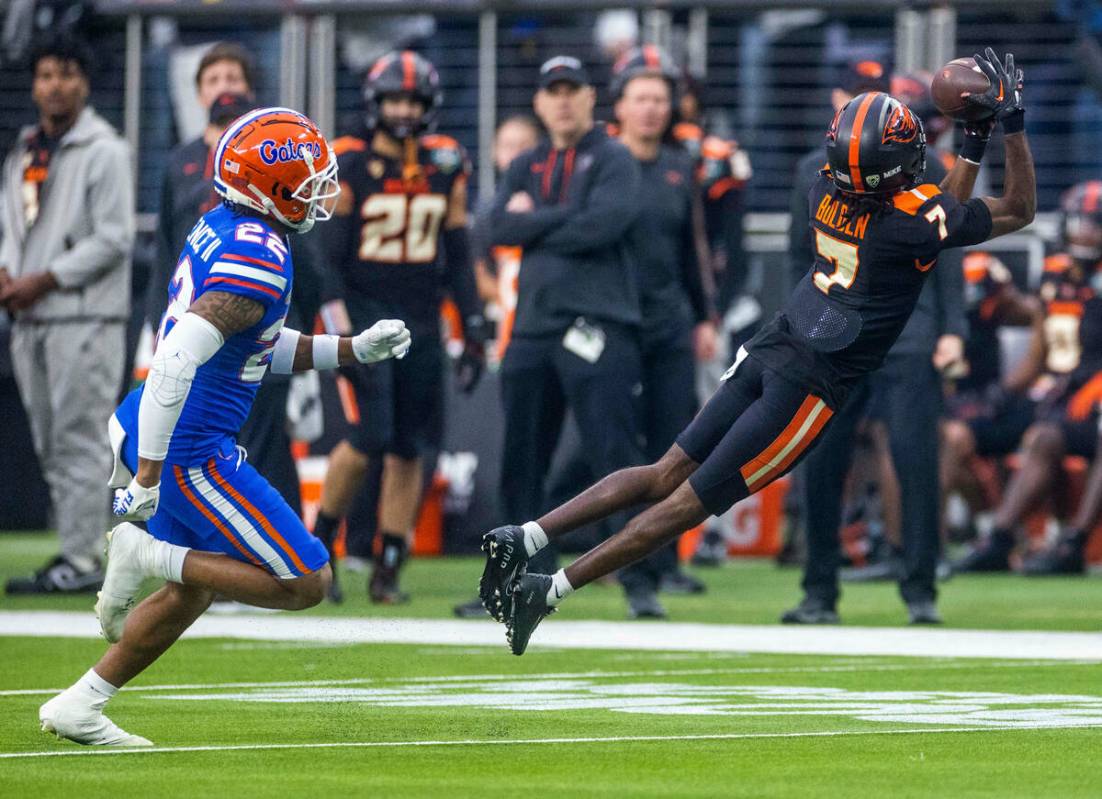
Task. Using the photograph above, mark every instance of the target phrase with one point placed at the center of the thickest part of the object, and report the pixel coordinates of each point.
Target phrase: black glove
(1004, 96)
(472, 361)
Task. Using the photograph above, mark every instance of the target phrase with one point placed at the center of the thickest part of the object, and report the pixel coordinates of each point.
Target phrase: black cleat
(986, 556)
(470, 610)
(923, 612)
(506, 561)
(527, 608)
(59, 576)
(643, 604)
(811, 611)
(679, 582)
(335, 594)
(1064, 558)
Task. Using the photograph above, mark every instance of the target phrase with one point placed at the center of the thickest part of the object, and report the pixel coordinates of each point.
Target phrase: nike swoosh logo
(921, 267)
(557, 594)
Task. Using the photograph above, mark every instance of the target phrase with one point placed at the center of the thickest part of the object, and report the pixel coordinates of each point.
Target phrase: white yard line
(652, 636)
(523, 741)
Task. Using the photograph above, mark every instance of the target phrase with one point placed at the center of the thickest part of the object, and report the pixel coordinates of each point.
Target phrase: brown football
(959, 77)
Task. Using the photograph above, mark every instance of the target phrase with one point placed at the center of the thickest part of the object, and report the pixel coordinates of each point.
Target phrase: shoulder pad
(349, 144)
(444, 152)
(910, 201)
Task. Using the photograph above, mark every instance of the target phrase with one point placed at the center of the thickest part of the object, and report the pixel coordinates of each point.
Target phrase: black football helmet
(1081, 221)
(650, 59)
(875, 146)
(402, 73)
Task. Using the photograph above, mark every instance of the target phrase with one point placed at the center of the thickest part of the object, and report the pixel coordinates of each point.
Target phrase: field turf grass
(418, 720)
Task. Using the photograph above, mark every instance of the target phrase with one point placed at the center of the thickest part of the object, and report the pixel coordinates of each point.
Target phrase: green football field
(715, 702)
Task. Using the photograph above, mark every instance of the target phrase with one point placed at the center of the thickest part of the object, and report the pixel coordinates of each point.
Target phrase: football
(952, 83)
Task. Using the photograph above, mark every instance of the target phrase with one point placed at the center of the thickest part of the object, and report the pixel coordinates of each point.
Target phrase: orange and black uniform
(837, 327)
(387, 261)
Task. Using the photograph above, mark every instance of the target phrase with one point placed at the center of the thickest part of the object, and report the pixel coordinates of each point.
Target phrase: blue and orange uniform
(211, 498)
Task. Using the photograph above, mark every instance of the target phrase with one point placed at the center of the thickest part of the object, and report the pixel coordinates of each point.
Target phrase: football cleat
(527, 608)
(1064, 558)
(506, 560)
(811, 611)
(69, 717)
(992, 555)
(128, 553)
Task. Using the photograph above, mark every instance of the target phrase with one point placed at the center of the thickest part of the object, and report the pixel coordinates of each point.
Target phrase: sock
(393, 550)
(535, 538)
(560, 588)
(94, 689)
(325, 528)
(168, 561)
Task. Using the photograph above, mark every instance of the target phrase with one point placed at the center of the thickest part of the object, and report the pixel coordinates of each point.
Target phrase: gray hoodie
(85, 228)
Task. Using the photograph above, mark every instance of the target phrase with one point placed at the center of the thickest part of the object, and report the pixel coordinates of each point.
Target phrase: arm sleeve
(110, 203)
(459, 273)
(192, 342)
(967, 223)
(607, 212)
(520, 230)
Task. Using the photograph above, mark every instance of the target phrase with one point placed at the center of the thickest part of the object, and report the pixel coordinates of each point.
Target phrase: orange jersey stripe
(1065, 309)
(349, 144)
(1086, 399)
(250, 260)
(256, 514)
(855, 142)
(235, 282)
(210, 517)
(347, 396)
(766, 462)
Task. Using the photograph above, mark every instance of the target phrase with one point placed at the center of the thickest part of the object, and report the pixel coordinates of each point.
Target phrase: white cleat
(128, 552)
(66, 716)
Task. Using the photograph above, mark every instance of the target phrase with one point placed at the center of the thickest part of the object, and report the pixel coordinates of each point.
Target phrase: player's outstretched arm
(295, 352)
(193, 340)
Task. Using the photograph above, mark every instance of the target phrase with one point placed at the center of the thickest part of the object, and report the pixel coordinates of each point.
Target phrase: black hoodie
(576, 256)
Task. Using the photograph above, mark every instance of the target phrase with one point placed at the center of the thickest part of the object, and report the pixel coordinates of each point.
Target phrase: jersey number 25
(400, 229)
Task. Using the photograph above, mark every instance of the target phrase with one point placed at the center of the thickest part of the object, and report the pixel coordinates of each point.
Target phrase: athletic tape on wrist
(325, 352)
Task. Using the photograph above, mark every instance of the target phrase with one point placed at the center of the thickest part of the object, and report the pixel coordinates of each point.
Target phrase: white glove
(136, 503)
(387, 338)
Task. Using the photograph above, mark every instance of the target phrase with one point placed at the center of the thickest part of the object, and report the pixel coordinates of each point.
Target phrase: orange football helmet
(276, 161)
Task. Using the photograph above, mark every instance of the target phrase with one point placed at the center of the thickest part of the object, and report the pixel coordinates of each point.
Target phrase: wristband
(325, 352)
(973, 149)
(1014, 122)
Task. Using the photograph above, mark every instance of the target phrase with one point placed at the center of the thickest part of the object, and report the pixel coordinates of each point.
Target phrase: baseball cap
(563, 68)
(859, 75)
(228, 106)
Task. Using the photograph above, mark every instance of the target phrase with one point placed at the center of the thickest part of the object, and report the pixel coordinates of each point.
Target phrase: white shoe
(129, 551)
(68, 716)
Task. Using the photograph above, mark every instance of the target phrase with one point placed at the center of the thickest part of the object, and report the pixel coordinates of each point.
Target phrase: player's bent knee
(1045, 439)
(958, 439)
(310, 589)
(671, 471)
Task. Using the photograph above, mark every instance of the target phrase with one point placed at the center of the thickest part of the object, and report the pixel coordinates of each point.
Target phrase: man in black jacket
(569, 203)
(905, 394)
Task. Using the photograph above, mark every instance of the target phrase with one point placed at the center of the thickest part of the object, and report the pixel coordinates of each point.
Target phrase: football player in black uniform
(403, 195)
(1063, 373)
(877, 236)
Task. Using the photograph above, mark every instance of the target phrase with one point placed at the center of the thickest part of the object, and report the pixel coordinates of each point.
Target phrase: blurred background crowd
(971, 449)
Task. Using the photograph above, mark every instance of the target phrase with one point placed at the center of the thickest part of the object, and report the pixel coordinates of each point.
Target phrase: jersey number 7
(842, 255)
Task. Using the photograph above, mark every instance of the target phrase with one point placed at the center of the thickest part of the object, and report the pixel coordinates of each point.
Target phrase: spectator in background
(65, 279)
(569, 204)
(225, 84)
(679, 317)
(904, 396)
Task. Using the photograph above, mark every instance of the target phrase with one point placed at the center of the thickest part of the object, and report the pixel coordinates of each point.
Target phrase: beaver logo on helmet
(875, 145)
(276, 162)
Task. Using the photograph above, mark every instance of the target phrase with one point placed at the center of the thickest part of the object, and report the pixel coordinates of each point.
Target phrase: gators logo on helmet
(403, 73)
(875, 145)
(276, 162)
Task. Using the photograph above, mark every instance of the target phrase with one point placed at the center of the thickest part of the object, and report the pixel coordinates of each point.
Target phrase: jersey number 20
(401, 229)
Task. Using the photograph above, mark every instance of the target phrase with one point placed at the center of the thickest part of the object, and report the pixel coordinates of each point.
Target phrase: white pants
(69, 375)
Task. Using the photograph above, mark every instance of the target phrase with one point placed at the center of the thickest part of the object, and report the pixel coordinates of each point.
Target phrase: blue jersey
(239, 254)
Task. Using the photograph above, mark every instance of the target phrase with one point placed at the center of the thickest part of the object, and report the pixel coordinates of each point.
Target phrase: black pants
(269, 446)
(669, 404)
(905, 393)
(540, 379)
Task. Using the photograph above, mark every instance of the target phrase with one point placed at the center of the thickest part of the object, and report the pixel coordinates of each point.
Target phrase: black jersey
(1073, 321)
(986, 282)
(869, 267)
(392, 262)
